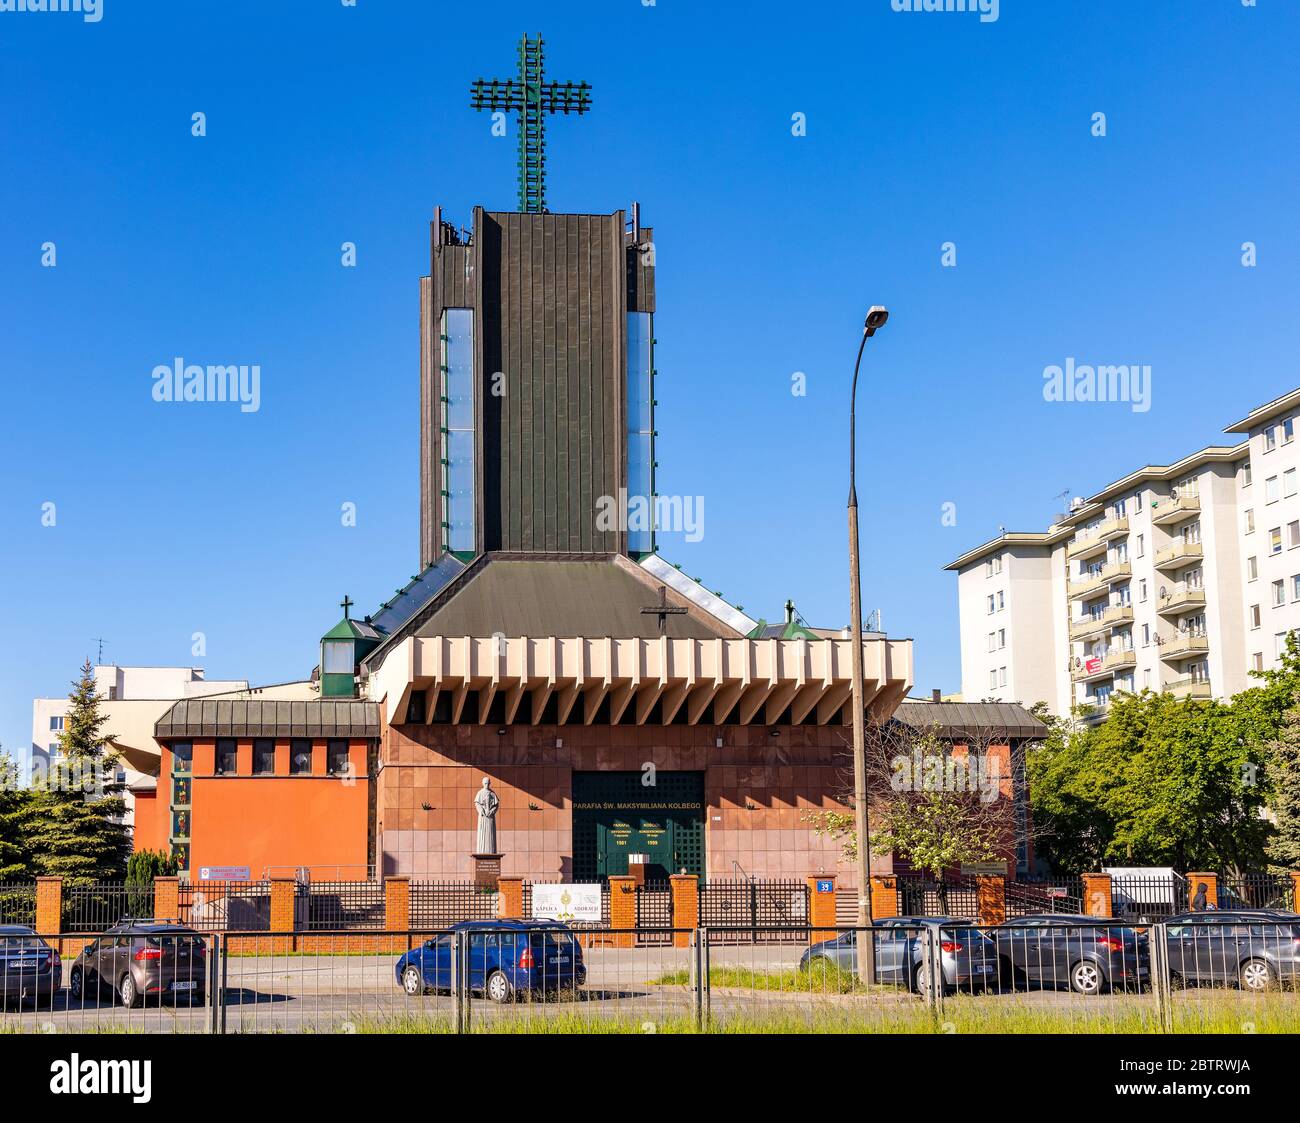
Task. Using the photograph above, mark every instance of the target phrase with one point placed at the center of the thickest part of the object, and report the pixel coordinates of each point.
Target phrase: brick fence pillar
(821, 907)
(167, 898)
(1211, 883)
(49, 905)
(884, 896)
(1097, 895)
(991, 896)
(284, 892)
(1295, 891)
(622, 910)
(397, 904)
(510, 898)
(686, 906)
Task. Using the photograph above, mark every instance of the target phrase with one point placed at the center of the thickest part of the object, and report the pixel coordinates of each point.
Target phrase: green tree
(14, 855)
(74, 822)
(1282, 771)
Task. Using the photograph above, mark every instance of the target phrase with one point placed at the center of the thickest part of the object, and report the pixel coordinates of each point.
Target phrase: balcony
(1117, 614)
(1085, 626)
(1188, 687)
(1113, 528)
(1180, 599)
(1116, 571)
(1179, 554)
(1166, 512)
(1086, 584)
(1183, 644)
(1120, 661)
(1085, 547)
(1081, 673)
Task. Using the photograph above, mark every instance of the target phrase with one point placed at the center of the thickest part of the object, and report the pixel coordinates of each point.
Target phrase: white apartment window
(1250, 520)
(56, 725)
(1141, 546)
(1279, 593)
(992, 603)
(1293, 534)
(1257, 661)
(1002, 638)
(1254, 616)
(1252, 568)
(1295, 587)
(1279, 644)
(993, 680)
(1002, 600)
(1245, 474)
(1142, 590)
(1194, 578)
(1121, 554)
(1288, 482)
(1137, 503)
(1002, 676)
(1146, 679)
(992, 641)
(1288, 430)
(1275, 540)
(1270, 490)
(1124, 596)
(1120, 510)
(1270, 439)
(1146, 635)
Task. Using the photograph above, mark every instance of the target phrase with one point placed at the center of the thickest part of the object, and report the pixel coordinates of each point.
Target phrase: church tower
(537, 363)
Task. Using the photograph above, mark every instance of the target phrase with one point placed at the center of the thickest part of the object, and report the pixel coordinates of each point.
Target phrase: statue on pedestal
(486, 803)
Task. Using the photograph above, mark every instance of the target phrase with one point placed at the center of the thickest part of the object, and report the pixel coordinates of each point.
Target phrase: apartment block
(1182, 577)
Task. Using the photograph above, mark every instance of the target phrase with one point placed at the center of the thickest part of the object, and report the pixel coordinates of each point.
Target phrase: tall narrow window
(458, 429)
(263, 756)
(640, 434)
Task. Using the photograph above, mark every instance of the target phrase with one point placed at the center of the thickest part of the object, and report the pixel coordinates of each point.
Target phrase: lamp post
(876, 318)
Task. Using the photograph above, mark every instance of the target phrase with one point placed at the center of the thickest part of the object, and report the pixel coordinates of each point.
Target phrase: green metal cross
(532, 98)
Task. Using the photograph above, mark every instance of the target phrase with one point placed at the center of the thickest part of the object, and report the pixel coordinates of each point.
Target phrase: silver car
(968, 958)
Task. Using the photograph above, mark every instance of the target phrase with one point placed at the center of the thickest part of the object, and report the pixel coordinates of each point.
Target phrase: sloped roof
(239, 717)
(953, 719)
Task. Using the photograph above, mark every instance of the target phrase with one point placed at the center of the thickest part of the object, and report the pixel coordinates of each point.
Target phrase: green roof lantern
(341, 650)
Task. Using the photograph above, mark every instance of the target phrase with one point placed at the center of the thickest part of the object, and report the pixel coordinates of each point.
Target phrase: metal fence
(1256, 891)
(18, 903)
(345, 905)
(1027, 898)
(95, 906)
(958, 897)
(436, 905)
(752, 911)
(1146, 898)
(1222, 973)
(219, 906)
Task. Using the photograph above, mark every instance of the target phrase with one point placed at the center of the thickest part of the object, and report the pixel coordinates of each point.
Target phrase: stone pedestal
(487, 870)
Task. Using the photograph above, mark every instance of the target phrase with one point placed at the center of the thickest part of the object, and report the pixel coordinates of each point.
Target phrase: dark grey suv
(1254, 949)
(141, 961)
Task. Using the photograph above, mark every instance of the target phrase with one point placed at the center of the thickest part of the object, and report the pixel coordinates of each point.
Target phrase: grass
(821, 978)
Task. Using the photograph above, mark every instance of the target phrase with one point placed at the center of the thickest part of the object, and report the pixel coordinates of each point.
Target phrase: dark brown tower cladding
(549, 296)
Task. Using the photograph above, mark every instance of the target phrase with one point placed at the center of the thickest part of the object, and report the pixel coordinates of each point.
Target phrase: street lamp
(875, 320)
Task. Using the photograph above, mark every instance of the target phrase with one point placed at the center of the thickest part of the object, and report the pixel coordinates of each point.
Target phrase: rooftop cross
(532, 98)
(346, 604)
(663, 610)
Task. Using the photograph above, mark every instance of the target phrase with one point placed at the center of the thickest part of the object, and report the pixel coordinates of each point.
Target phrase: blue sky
(329, 123)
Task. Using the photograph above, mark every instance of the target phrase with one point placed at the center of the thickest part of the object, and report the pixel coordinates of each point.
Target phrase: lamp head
(876, 318)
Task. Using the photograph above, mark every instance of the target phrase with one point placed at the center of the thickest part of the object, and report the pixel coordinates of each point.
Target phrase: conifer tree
(74, 822)
(1283, 772)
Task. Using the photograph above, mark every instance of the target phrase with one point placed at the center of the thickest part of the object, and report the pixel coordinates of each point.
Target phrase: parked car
(1056, 948)
(1254, 948)
(30, 970)
(138, 960)
(507, 958)
(968, 957)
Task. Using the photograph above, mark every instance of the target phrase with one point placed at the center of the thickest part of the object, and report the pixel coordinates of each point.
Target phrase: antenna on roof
(99, 661)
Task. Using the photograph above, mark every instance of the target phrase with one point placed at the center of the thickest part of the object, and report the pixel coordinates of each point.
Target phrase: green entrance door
(615, 814)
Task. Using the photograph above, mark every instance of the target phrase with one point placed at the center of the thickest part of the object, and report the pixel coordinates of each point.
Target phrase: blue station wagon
(507, 959)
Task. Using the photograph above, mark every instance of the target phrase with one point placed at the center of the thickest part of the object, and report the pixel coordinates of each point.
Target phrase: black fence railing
(957, 898)
(440, 904)
(345, 905)
(745, 906)
(1146, 898)
(221, 906)
(96, 906)
(1256, 891)
(18, 903)
(1030, 898)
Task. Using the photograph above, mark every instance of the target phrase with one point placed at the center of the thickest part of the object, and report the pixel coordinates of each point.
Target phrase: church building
(623, 714)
